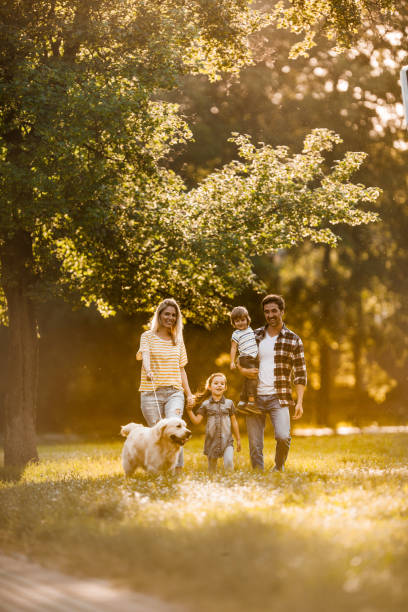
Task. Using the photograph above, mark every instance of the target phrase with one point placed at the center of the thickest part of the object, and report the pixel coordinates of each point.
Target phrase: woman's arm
(186, 387)
(235, 431)
(146, 364)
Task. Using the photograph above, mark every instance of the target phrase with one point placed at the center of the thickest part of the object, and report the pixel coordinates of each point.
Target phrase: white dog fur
(153, 448)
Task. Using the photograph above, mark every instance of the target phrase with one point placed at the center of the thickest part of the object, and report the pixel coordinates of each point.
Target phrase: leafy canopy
(339, 20)
(85, 137)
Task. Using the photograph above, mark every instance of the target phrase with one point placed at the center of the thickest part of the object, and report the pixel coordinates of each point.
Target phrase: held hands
(233, 365)
(190, 402)
(298, 411)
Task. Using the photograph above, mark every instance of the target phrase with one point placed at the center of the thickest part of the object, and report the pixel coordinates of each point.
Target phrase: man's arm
(299, 378)
(300, 389)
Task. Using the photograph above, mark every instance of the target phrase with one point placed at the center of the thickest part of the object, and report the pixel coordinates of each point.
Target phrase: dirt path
(27, 586)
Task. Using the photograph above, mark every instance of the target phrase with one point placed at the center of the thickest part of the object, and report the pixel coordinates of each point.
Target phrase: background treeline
(349, 304)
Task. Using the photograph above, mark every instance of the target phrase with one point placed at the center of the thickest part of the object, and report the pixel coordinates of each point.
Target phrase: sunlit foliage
(339, 20)
(85, 134)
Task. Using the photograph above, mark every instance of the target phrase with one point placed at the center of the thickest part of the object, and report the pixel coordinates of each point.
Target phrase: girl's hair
(177, 331)
(237, 313)
(203, 395)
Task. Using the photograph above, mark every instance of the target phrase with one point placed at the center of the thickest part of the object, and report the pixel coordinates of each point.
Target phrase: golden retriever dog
(153, 448)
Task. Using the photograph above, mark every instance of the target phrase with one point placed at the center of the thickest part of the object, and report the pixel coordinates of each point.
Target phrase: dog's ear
(124, 431)
(160, 428)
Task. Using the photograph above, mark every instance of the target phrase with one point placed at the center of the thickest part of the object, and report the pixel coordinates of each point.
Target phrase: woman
(163, 375)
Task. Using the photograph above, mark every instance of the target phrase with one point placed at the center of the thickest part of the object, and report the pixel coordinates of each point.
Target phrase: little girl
(221, 422)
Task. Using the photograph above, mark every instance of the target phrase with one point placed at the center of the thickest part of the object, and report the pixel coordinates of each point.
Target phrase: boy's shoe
(248, 408)
(241, 407)
(253, 408)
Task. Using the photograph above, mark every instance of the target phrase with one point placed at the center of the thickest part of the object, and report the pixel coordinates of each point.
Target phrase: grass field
(329, 534)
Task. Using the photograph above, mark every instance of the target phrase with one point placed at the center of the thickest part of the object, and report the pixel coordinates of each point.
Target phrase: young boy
(243, 341)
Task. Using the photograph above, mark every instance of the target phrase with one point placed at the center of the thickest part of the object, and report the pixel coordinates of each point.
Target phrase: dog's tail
(126, 429)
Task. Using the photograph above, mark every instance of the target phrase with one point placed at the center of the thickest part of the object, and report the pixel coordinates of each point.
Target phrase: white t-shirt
(266, 378)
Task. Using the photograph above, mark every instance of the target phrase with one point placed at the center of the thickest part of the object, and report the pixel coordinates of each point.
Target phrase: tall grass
(329, 534)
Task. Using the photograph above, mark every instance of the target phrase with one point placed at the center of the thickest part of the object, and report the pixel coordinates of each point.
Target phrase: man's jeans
(171, 404)
(279, 415)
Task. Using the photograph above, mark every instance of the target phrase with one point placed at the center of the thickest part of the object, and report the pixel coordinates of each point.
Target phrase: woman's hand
(190, 401)
(149, 375)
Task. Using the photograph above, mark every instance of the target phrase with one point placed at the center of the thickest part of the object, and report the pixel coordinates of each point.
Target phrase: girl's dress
(218, 435)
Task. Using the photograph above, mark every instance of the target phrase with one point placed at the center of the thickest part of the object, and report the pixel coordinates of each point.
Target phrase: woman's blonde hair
(202, 395)
(177, 330)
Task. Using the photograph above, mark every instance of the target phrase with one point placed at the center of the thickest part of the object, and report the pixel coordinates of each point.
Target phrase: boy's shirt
(245, 338)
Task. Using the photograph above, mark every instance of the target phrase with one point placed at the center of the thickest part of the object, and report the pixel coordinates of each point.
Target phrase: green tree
(339, 20)
(89, 209)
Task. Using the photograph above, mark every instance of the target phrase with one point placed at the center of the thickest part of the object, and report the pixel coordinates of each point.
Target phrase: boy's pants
(250, 384)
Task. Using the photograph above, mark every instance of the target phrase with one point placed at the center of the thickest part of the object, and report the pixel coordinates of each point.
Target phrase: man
(280, 353)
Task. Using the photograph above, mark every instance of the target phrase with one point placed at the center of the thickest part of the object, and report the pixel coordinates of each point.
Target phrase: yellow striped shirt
(166, 359)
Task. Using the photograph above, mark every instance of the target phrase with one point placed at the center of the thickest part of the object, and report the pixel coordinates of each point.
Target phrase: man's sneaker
(248, 409)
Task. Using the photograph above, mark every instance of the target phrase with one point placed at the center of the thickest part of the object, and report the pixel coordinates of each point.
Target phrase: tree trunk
(22, 376)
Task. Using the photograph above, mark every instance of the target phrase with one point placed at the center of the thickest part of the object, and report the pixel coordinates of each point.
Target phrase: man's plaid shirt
(289, 358)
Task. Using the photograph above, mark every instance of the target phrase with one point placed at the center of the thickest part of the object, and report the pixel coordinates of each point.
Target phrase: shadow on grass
(11, 474)
(237, 564)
